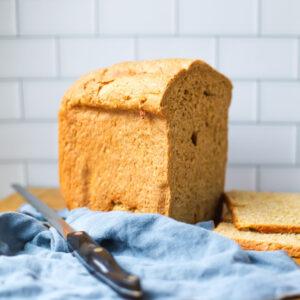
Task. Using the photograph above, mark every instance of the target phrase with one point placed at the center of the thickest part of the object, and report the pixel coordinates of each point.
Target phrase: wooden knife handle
(102, 265)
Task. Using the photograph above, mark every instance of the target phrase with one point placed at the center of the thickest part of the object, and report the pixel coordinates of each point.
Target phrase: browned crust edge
(260, 227)
(265, 246)
(275, 228)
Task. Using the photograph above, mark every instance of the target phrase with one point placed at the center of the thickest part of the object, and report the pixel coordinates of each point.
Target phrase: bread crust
(260, 241)
(274, 228)
(263, 228)
(265, 246)
(130, 85)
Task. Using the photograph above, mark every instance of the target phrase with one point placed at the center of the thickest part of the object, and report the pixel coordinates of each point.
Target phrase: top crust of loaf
(130, 85)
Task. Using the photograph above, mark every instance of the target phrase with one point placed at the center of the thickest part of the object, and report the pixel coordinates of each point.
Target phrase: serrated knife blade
(96, 259)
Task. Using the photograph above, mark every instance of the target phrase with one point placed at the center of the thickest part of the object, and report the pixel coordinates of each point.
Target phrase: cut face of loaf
(147, 136)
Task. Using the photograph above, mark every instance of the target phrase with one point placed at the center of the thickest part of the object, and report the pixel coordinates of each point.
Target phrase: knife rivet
(77, 233)
(98, 250)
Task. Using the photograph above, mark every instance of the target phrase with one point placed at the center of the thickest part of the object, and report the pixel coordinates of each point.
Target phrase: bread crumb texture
(148, 136)
(251, 240)
(265, 212)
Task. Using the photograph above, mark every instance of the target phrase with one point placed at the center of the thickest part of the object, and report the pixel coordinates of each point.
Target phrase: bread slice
(265, 212)
(148, 136)
(251, 240)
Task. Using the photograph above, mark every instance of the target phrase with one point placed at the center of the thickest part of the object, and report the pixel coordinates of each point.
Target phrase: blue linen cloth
(174, 260)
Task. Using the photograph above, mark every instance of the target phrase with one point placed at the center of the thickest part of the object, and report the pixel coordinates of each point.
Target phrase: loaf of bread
(251, 240)
(265, 212)
(148, 136)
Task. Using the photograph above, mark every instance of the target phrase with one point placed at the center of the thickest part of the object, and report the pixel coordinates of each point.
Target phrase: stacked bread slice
(263, 221)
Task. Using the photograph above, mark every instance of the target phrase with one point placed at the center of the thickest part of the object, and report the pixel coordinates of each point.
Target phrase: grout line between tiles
(217, 52)
(57, 53)
(230, 165)
(22, 101)
(65, 77)
(24, 120)
(264, 123)
(176, 17)
(96, 18)
(258, 102)
(298, 58)
(257, 178)
(29, 161)
(37, 79)
(135, 48)
(261, 165)
(26, 172)
(17, 20)
(146, 35)
(231, 123)
(259, 18)
(297, 160)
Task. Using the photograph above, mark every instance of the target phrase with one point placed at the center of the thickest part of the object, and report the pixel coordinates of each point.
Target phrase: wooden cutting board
(50, 196)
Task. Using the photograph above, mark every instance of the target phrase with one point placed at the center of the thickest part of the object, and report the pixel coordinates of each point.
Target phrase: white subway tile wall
(56, 17)
(11, 173)
(42, 98)
(262, 144)
(7, 17)
(280, 101)
(242, 178)
(45, 45)
(259, 58)
(298, 145)
(78, 56)
(42, 174)
(136, 17)
(218, 17)
(157, 48)
(280, 179)
(10, 107)
(244, 101)
(24, 57)
(34, 140)
(280, 17)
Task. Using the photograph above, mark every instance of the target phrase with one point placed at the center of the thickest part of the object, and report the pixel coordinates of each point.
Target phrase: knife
(97, 260)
